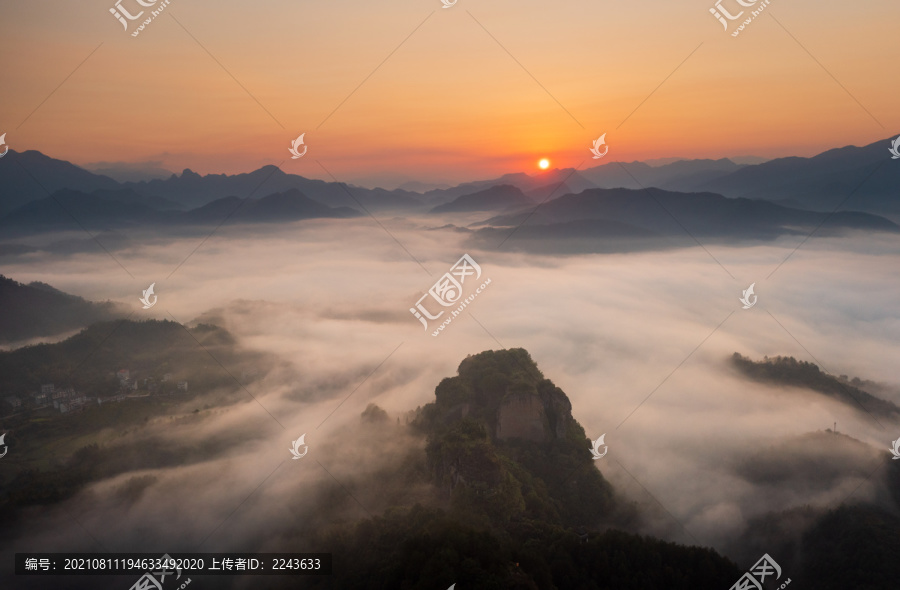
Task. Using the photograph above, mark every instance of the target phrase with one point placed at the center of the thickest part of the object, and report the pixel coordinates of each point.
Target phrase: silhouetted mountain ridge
(791, 372)
(103, 210)
(37, 309)
(496, 198)
(631, 214)
(194, 190)
(30, 175)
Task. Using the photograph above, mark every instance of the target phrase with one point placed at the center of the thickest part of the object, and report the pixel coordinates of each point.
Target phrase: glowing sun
(544, 164)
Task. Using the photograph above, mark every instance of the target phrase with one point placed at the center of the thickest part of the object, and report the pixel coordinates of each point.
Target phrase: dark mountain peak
(192, 190)
(506, 392)
(271, 169)
(499, 431)
(18, 171)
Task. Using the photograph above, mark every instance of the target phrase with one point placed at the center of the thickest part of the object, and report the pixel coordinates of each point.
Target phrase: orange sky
(450, 104)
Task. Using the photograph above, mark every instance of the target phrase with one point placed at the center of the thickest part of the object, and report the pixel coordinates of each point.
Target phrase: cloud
(639, 342)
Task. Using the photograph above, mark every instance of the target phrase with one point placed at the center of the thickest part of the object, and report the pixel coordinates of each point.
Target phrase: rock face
(502, 442)
(540, 414)
(522, 416)
(507, 393)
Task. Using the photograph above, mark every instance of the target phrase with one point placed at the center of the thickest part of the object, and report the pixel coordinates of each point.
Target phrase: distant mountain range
(495, 198)
(764, 200)
(857, 178)
(619, 220)
(108, 210)
(30, 176)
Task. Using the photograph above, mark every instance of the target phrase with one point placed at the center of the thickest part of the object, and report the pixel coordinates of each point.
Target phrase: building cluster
(64, 399)
(151, 385)
(126, 383)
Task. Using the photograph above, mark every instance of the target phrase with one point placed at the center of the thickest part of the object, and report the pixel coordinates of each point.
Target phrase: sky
(401, 89)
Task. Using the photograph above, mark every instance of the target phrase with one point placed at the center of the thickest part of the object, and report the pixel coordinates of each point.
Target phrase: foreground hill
(38, 309)
(516, 501)
(848, 546)
(57, 455)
